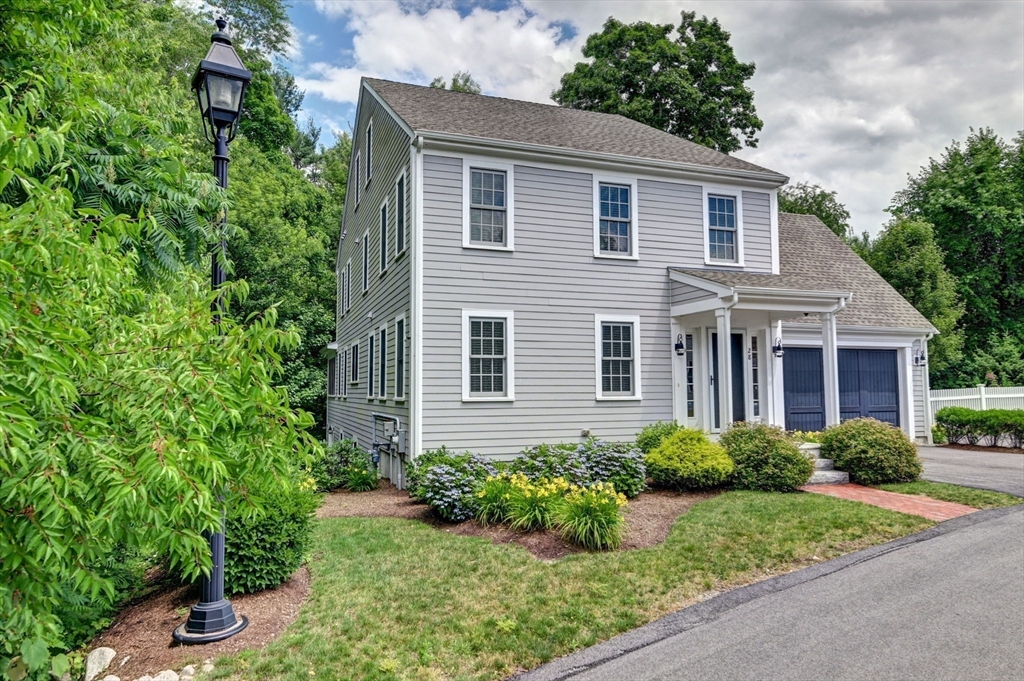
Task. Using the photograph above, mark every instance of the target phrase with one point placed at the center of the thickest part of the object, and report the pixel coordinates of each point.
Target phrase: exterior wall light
(680, 345)
(920, 359)
(777, 347)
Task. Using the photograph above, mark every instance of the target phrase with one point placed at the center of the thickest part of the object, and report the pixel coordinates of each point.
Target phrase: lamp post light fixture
(219, 83)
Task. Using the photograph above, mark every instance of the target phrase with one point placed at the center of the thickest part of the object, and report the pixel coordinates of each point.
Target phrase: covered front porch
(779, 356)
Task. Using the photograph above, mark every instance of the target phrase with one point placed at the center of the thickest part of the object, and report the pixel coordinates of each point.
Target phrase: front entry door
(739, 394)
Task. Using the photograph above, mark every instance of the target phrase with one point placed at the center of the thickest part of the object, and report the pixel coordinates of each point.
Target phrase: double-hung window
(722, 223)
(348, 285)
(344, 373)
(366, 261)
(400, 358)
(488, 364)
(383, 237)
(356, 182)
(487, 207)
(690, 402)
(369, 152)
(382, 364)
(354, 378)
(400, 214)
(615, 219)
(617, 357)
(332, 368)
(370, 368)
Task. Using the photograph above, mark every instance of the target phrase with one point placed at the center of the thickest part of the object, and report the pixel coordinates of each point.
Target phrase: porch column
(723, 320)
(830, 367)
(776, 393)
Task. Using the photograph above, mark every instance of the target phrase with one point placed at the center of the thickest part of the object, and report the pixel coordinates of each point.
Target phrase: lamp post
(219, 83)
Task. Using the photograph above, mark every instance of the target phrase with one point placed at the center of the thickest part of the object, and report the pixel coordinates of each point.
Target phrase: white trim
(485, 163)
(344, 374)
(368, 143)
(371, 357)
(404, 229)
(600, 319)
(510, 355)
(416, 346)
(382, 232)
(773, 211)
(356, 357)
(634, 210)
(357, 161)
(405, 354)
(382, 362)
(348, 285)
(366, 261)
(729, 191)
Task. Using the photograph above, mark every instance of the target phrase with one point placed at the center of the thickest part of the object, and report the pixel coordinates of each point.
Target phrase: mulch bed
(981, 448)
(649, 519)
(141, 633)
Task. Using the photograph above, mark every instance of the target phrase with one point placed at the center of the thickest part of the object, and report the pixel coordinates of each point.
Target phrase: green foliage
(263, 121)
(462, 81)
(591, 517)
(871, 451)
(686, 460)
(806, 436)
(766, 459)
(973, 195)
(905, 253)
(258, 24)
(125, 415)
(451, 488)
(969, 426)
(651, 435)
(938, 434)
(552, 461)
(418, 467)
(360, 475)
(265, 546)
(692, 87)
(493, 499)
(1000, 362)
(531, 505)
(813, 199)
(620, 464)
(332, 468)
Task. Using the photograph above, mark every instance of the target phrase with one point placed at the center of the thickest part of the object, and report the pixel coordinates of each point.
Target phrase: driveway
(999, 471)
(947, 603)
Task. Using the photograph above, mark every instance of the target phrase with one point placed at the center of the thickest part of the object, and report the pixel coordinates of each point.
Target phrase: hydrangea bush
(450, 488)
(565, 461)
(618, 463)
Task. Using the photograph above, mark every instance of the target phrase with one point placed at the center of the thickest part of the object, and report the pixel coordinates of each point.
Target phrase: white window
(369, 152)
(366, 261)
(332, 368)
(488, 356)
(383, 237)
(487, 204)
(382, 363)
(617, 357)
(400, 358)
(370, 368)
(354, 378)
(723, 226)
(400, 214)
(755, 375)
(615, 217)
(690, 403)
(356, 184)
(344, 373)
(348, 285)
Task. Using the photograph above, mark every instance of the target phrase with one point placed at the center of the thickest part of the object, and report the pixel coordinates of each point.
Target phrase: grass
(398, 599)
(968, 496)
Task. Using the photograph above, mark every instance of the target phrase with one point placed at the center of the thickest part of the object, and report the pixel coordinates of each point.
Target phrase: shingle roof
(813, 258)
(426, 109)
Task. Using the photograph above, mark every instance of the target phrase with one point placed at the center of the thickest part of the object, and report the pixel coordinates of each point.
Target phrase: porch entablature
(693, 295)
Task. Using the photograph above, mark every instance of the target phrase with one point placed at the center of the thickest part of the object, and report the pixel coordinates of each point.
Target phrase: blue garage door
(869, 385)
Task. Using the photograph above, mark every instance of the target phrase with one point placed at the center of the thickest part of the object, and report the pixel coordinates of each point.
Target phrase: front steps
(824, 472)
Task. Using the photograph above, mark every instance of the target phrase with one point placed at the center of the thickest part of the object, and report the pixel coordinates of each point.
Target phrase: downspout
(416, 313)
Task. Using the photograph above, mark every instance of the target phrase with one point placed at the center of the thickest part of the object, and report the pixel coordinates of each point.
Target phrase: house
(511, 273)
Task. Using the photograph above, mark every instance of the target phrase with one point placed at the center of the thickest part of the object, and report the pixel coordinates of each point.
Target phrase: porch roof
(813, 259)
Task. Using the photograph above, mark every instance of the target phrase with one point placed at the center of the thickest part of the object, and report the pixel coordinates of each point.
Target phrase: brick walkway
(903, 503)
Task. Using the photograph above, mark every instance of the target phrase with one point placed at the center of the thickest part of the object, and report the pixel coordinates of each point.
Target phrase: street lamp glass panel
(204, 101)
(225, 93)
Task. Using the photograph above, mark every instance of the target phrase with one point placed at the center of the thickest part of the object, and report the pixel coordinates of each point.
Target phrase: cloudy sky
(854, 94)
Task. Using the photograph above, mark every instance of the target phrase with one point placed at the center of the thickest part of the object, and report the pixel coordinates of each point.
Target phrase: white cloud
(854, 94)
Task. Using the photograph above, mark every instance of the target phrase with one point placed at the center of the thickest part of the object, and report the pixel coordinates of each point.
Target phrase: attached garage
(868, 386)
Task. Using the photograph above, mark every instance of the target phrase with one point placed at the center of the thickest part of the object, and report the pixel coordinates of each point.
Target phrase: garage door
(868, 387)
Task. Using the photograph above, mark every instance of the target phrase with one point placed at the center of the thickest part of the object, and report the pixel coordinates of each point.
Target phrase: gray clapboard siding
(389, 293)
(920, 427)
(685, 293)
(757, 231)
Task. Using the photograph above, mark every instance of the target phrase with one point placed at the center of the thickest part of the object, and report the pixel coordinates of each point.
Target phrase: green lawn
(398, 599)
(968, 496)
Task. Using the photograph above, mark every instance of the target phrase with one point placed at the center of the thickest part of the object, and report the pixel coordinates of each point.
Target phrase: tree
(462, 81)
(813, 199)
(692, 87)
(974, 196)
(260, 25)
(999, 363)
(906, 255)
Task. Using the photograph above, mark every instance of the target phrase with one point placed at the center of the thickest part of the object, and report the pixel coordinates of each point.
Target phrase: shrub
(263, 550)
(765, 458)
(493, 499)
(329, 467)
(962, 425)
(450, 488)
(872, 452)
(618, 463)
(938, 434)
(360, 475)
(807, 436)
(651, 435)
(416, 470)
(686, 460)
(564, 461)
(591, 516)
(532, 503)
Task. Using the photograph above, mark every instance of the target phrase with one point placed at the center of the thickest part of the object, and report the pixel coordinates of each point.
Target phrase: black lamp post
(220, 83)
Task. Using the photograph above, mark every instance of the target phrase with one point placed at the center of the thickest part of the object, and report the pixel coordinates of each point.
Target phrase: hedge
(972, 426)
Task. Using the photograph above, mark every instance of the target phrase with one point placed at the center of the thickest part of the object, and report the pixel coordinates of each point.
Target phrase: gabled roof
(427, 110)
(813, 258)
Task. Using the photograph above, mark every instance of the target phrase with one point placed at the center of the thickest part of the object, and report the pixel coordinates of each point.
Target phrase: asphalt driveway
(999, 471)
(947, 603)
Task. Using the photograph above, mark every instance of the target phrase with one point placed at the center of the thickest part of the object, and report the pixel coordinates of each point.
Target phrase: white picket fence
(979, 397)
